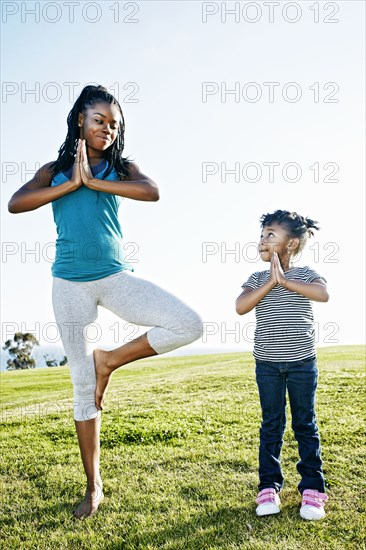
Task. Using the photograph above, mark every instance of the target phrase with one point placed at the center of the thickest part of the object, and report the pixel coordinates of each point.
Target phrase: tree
(20, 350)
(53, 362)
(50, 362)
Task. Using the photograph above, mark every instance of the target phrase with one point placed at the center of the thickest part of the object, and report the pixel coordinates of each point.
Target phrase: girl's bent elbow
(324, 297)
(239, 309)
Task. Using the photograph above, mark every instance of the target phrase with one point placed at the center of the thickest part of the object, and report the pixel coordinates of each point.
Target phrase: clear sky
(274, 91)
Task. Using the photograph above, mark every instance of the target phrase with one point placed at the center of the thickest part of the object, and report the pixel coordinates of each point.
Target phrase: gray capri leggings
(135, 300)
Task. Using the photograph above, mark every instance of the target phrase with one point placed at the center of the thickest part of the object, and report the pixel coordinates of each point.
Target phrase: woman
(86, 185)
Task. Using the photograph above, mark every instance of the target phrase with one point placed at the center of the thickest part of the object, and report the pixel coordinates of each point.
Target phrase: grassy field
(179, 459)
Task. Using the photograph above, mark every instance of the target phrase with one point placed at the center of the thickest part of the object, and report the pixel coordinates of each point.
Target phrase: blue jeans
(300, 379)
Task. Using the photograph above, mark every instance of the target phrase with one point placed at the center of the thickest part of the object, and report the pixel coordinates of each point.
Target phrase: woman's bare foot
(89, 505)
(103, 373)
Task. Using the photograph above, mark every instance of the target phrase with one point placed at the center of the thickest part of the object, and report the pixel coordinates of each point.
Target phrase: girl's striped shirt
(285, 324)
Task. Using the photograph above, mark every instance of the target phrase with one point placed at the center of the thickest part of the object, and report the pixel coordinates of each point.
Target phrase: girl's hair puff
(297, 226)
(90, 95)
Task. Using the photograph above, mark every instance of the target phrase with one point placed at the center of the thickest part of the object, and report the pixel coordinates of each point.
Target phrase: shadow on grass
(235, 465)
(212, 529)
(42, 516)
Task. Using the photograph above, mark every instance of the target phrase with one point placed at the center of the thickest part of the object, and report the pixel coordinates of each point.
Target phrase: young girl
(86, 185)
(285, 356)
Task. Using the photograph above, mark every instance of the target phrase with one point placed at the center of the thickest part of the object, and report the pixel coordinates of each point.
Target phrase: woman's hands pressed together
(76, 176)
(81, 171)
(85, 170)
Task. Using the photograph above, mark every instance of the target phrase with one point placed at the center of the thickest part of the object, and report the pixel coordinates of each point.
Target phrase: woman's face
(99, 127)
(275, 238)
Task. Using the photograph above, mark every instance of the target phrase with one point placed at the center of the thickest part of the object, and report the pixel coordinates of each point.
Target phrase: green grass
(179, 459)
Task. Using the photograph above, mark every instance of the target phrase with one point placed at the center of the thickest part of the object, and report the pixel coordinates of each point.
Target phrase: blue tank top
(89, 241)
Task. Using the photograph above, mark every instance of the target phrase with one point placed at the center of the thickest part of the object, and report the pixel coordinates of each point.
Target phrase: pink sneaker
(312, 506)
(268, 502)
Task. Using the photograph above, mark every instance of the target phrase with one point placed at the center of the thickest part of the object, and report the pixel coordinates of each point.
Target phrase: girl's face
(99, 127)
(275, 238)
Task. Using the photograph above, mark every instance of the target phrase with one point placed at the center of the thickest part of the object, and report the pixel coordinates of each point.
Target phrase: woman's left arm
(138, 186)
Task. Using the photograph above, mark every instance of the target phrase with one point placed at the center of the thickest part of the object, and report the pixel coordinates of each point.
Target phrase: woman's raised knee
(193, 327)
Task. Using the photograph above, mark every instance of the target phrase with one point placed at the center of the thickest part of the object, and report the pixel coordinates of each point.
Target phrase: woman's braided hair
(297, 226)
(90, 95)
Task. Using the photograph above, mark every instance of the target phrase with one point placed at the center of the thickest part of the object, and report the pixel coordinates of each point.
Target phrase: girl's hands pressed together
(272, 272)
(277, 269)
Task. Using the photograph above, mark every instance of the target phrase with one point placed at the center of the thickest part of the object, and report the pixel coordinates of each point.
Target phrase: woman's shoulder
(49, 165)
(133, 169)
(134, 172)
(55, 176)
(47, 169)
(42, 177)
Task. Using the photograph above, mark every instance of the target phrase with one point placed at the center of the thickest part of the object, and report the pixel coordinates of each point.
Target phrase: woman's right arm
(38, 191)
